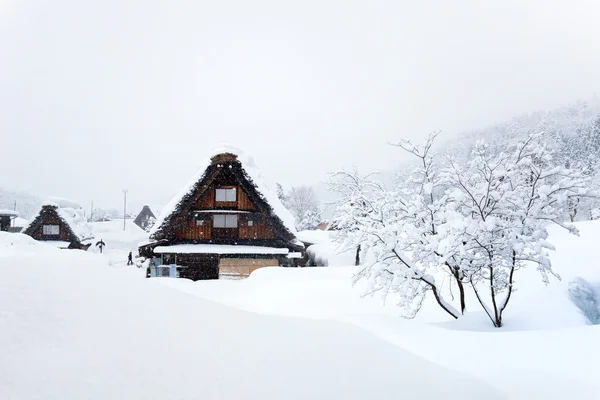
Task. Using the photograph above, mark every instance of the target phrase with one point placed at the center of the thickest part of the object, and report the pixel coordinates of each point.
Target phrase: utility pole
(124, 206)
(92, 212)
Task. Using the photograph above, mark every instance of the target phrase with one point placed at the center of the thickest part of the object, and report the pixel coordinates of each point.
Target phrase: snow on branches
(478, 222)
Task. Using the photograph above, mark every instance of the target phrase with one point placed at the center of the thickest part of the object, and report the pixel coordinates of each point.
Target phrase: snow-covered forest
(571, 132)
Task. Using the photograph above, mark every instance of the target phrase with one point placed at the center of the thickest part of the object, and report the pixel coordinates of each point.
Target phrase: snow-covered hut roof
(9, 213)
(156, 209)
(252, 175)
(73, 218)
(64, 203)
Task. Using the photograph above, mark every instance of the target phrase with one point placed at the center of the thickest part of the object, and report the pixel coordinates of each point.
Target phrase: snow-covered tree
(300, 200)
(373, 219)
(478, 222)
(310, 221)
(503, 204)
(429, 210)
(281, 194)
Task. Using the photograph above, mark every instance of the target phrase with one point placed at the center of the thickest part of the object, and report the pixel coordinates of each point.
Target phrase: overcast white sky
(98, 96)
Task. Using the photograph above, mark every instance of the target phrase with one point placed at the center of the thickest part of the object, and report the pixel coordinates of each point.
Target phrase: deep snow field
(77, 325)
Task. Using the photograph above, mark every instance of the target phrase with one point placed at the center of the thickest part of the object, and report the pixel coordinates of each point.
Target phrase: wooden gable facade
(222, 208)
(144, 218)
(49, 226)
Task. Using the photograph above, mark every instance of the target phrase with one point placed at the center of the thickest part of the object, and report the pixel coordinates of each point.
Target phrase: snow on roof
(58, 243)
(253, 175)
(73, 217)
(76, 220)
(218, 249)
(156, 209)
(63, 203)
(314, 236)
(10, 213)
(219, 211)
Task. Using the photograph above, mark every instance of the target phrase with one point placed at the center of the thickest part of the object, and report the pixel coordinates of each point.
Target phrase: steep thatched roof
(73, 220)
(250, 179)
(143, 216)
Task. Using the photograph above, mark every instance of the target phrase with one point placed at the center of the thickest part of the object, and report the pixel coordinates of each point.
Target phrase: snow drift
(73, 328)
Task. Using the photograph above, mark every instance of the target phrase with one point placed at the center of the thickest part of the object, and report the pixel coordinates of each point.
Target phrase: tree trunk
(461, 291)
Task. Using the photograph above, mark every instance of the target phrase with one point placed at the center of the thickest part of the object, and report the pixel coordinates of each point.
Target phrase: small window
(199, 222)
(51, 229)
(250, 223)
(226, 195)
(225, 221)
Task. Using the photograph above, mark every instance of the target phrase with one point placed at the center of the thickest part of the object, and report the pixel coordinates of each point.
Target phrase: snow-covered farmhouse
(225, 223)
(6, 216)
(63, 227)
(145, 218)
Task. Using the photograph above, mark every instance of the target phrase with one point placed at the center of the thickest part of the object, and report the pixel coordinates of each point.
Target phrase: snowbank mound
(17, 244)
(88, 331)
(322, 250)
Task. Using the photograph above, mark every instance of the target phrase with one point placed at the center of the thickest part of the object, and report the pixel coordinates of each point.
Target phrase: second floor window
(51, 229)
(225, 195)
(225, 221)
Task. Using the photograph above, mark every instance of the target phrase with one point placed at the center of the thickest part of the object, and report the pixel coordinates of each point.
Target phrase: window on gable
(225, 195)
(225, 221)
(51, 229)
(250, 223)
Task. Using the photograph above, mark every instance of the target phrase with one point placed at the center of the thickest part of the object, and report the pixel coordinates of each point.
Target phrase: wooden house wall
(239, 268)
(52, 219)
(207, 200)
(189, 230)
(243, 201)
(259, 230)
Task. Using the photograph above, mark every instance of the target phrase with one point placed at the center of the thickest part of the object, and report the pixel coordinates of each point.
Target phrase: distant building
(225, 225)
(323, 226)
(145, 219)
(6, 216)
(62, 227)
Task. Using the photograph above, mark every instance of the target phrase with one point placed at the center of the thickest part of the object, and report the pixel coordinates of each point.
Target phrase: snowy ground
(119, 241)
(543, 350)
(71, 327)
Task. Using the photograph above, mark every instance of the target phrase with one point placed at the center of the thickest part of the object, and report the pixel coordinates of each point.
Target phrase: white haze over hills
(573, 131)
(26, 204)
(569, 129)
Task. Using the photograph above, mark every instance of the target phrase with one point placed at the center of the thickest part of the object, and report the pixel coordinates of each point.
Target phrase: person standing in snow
(130, 259)
(101, 245)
